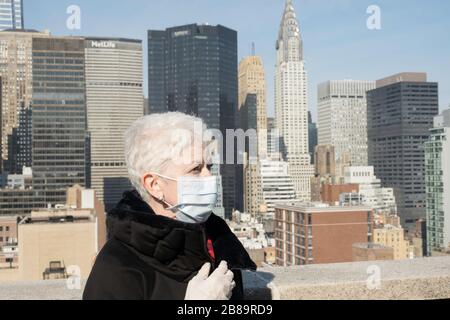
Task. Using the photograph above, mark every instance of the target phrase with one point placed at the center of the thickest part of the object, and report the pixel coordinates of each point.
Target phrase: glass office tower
(193, 69)
(400, 113)
(59, 132)
(437, 174)
(11, 14)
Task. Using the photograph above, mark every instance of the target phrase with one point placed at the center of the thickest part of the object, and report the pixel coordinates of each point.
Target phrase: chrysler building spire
(290, 42)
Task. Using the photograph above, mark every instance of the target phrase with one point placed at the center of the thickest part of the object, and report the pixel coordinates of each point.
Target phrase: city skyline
(329, 145)
(341, 23)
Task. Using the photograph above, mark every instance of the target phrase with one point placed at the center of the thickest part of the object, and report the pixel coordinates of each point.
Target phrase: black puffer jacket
(150, 257)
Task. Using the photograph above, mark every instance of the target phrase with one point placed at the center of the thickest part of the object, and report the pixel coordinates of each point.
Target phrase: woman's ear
(151, 184)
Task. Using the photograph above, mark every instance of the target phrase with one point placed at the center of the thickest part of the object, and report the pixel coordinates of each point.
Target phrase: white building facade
(274, 185)
(371, 193)
(277, 185)
(291, 102)
(114, 101)
(342, 120)
(16, 73)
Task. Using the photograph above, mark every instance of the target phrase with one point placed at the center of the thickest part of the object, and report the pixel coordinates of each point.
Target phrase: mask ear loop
(170, 207)
(162, 198)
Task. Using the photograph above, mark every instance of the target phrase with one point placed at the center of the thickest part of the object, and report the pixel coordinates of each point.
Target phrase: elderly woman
(165, 243)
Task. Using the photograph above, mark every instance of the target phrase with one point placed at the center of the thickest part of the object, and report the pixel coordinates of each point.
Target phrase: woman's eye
(198, 169)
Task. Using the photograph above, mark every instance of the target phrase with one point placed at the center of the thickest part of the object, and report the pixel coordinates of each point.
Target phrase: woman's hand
(219, 286)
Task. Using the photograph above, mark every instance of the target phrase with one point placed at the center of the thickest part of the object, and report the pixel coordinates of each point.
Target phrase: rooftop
(317, 207)
(402, 77)
(114, 39)
(21, 30)
(370, 246)
(427, 278)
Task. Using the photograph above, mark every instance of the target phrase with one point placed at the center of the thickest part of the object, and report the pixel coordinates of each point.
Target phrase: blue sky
(414, 36)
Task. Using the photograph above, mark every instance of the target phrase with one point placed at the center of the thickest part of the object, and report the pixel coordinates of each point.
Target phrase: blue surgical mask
(197, 197)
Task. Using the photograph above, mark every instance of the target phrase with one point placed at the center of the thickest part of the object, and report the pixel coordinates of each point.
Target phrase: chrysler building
(291, 102)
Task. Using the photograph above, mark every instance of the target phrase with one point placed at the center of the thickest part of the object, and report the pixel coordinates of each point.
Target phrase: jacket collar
(174, 248)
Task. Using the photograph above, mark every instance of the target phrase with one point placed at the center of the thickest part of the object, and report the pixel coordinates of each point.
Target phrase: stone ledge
(40, 290)
(427, 278)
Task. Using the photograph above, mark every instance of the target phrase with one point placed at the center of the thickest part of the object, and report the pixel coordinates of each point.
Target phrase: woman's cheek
(172, 196)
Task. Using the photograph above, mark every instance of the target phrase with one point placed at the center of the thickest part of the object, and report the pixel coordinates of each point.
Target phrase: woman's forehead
(195, 155)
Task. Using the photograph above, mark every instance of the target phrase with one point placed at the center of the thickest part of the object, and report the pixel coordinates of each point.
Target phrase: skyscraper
(246, 174)
(253, 116)
(58, 117)
(437, 174)
(193, 69)
(114, 101)
(252, 81)
(400, 112)
(342, 120)
(291, 101)
(17, 91)
(11, 14)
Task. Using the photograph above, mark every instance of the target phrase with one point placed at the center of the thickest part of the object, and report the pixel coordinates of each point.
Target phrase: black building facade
(400, 113)
(193, 69)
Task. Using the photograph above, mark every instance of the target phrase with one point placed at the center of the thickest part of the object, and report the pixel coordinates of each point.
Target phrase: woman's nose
(206, 172)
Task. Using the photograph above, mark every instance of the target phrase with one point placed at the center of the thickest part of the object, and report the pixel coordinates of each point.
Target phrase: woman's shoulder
(118, 274)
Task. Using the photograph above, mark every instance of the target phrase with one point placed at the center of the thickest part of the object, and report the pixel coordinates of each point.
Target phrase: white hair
(152, 141)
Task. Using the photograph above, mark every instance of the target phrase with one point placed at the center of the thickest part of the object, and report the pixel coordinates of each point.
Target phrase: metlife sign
(182, 33)
(103, 44)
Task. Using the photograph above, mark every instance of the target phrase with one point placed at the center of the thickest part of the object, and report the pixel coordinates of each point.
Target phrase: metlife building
(114, 100)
